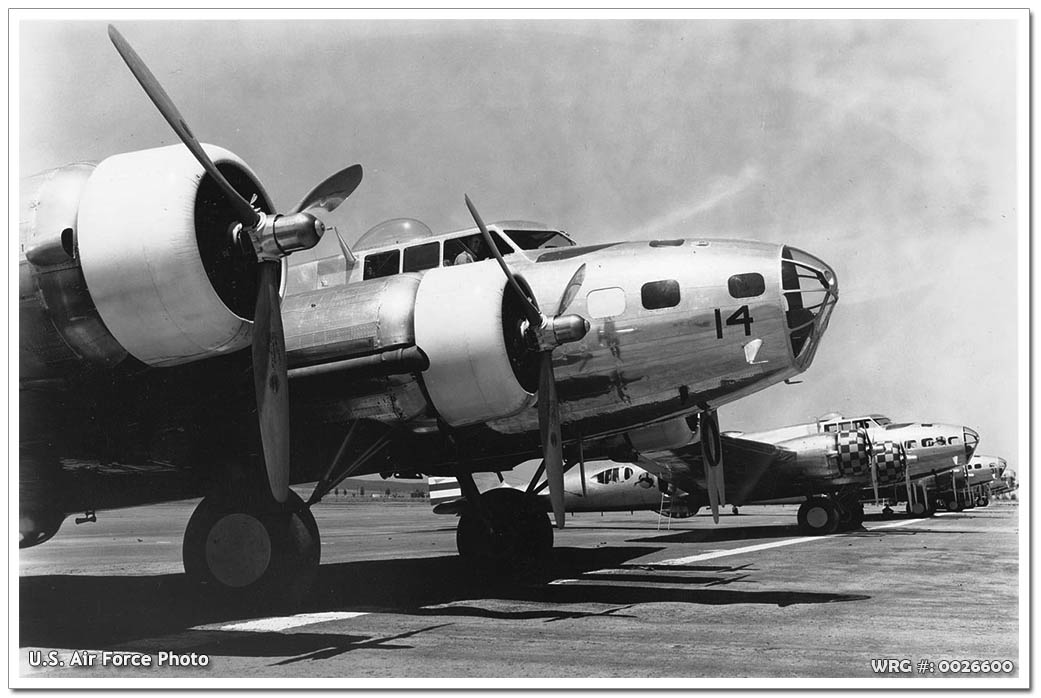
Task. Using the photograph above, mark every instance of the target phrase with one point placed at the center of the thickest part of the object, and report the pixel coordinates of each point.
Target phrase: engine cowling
(469, 326)
(890, 462)
(159, 263)
(854, 452)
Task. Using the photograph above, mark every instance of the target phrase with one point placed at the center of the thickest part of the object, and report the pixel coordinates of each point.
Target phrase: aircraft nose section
(810, 289)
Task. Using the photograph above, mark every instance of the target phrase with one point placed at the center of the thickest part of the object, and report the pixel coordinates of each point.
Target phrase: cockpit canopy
(405, 245)
(834, 422)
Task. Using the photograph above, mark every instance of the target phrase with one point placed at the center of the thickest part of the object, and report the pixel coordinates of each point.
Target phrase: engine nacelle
(890, 462)
(854, 452)
(155, 250)
(468, 323)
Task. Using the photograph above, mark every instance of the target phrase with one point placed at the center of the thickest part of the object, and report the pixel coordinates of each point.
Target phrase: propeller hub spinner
(561, 330)
(275, 237)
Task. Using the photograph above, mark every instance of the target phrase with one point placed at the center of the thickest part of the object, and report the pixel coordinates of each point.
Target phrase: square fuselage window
(746, 285)
(660, 294)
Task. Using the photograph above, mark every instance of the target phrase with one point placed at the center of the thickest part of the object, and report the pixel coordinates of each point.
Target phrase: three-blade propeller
(272, 237)
(546, 333)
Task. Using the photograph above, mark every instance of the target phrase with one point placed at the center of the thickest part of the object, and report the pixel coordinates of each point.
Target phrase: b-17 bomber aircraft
(598, 486)
(168, 350)
(963, 487)
(1005, 485)
(825, 465)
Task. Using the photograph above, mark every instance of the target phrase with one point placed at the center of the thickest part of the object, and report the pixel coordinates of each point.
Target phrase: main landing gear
(252, 552)
(508, 531)
(821, 516)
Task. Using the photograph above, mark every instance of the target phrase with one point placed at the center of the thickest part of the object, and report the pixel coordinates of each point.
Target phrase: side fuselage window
(910, 444)
(420, 257)
(605, 302)
(382, 264)
(926, 443)
(660, 294)
(746, 285)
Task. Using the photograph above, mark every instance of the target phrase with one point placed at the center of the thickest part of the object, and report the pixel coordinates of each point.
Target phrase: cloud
(719, 191)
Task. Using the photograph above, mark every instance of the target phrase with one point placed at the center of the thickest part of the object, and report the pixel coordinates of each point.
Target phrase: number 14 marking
(741, 316)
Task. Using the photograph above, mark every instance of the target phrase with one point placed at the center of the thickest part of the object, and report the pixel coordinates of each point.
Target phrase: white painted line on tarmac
(766, 546)
(713, 554)
(269, 625)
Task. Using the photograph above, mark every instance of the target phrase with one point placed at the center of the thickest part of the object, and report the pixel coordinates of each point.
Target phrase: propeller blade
(874, 478)
(530, 309)
(549, 430)
(572, 288)
(582, 464)
(712, 457)
(333, 191)
(271, 382)
(245, 213)
(711, 476)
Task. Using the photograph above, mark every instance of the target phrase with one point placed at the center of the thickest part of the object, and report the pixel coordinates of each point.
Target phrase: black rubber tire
(279, 552)
(917, 509)
(818, 517)
(855, 520)
(521, 535)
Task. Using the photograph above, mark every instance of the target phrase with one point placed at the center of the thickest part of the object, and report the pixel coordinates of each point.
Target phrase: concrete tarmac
(748, 597)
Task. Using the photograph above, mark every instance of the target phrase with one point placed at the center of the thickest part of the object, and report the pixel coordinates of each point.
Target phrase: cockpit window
(746, 285)
(382, 264)
(538, 239)
(472, 248)
(660, 294)
(420, 257)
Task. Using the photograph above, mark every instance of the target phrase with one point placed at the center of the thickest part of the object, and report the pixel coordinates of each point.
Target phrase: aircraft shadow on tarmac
(99, 612)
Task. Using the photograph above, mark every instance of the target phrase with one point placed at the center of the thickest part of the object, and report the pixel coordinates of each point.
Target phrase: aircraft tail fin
(446, 497)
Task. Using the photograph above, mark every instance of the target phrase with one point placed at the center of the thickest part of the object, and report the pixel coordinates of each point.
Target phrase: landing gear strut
(509, 532)
(251, 552)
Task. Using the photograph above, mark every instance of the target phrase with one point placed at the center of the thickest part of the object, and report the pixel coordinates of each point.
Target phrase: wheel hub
(238, 550)
(817, 517)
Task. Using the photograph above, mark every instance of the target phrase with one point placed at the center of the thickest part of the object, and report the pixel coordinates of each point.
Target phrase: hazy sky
(887, 148)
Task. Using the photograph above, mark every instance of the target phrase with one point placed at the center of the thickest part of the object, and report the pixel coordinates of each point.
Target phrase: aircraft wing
(747, 467)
